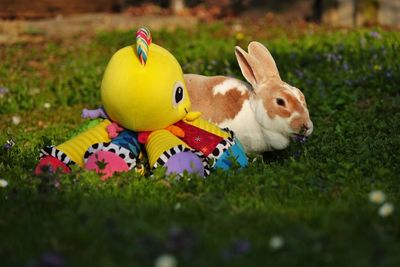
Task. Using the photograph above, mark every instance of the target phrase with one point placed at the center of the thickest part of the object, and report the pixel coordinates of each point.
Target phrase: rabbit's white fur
(255, 138)
(264, 115)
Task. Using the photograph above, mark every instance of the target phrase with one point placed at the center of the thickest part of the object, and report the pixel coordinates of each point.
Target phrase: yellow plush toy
(145, 101)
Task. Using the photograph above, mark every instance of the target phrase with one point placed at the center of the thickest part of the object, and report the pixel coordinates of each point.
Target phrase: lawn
(308, 205)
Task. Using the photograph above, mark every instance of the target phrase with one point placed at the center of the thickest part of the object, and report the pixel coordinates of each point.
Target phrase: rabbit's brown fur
(213, 105)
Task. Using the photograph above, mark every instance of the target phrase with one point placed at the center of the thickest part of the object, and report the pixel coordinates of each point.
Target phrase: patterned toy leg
(51, 160)
(76, 147)
(119, 155)
(72, 151)
(106, 163)
(51, 165)
(229, 152)
(165, 149)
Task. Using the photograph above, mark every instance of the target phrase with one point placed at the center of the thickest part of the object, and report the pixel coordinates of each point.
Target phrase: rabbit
(265, 114)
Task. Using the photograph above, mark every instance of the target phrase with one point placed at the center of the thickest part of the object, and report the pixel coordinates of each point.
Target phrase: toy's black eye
(178, 94)
(280, 102)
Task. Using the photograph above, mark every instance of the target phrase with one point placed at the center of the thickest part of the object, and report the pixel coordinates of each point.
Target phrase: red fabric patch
(52, 164)
(198, 138)
(143, 137)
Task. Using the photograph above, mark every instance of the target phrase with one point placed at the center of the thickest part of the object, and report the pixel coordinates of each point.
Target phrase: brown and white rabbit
(265, 115)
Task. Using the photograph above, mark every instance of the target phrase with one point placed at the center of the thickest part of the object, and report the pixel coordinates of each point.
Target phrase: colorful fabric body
(212, 150)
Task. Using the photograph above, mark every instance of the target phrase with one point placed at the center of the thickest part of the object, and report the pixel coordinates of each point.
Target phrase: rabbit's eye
(178, 94)
(281, 102)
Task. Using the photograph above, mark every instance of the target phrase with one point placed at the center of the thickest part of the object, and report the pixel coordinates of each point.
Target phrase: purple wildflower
(226, 254)
(57, 183)
(181, 241)
(9, 144)
(242, 246)
(3, 91)
(349, 82)
(333, 57)
(52, 259)
(375, 35)
(299, 138)
(48, 259)
(236, 249)
(299, 73)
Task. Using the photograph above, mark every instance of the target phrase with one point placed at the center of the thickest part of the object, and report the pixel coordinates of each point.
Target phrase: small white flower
(386, 210)
(237, 27)
(47, 105)
(16, 120)
(3, 183)
(166, 260)
(276, 242)
(177, 206)
(377, 197)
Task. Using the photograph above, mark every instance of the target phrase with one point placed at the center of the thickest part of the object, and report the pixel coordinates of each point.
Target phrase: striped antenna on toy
(143, 41)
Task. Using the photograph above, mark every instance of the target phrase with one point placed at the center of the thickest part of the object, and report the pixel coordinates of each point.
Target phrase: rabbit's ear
(249, 66)
(264, 57)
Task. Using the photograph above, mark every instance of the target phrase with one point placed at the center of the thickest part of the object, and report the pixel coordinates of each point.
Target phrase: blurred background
(32, 21)
(334, 12)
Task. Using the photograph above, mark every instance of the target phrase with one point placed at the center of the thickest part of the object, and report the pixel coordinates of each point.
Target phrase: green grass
(314, 196)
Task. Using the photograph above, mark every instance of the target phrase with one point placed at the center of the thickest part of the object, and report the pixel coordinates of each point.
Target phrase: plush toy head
(144, 90)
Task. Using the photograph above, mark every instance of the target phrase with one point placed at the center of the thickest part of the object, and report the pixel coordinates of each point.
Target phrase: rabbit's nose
(307, 129)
